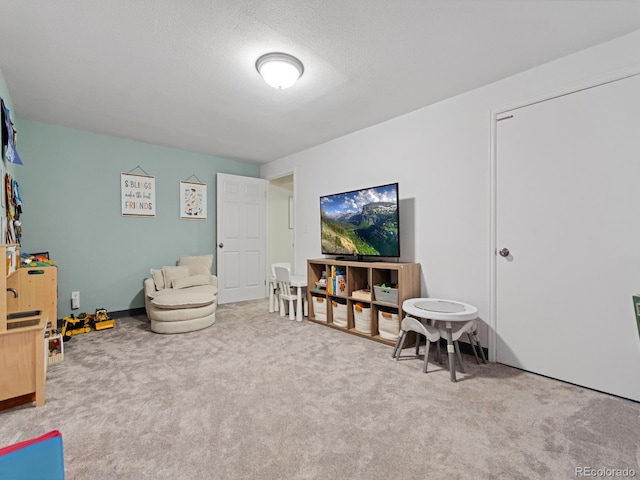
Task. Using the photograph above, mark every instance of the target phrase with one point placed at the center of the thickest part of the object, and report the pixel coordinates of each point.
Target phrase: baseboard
(128, 313)
(464, 347)
(117, 314)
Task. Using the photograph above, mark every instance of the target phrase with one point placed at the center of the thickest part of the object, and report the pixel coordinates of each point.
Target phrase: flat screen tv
(361, 223)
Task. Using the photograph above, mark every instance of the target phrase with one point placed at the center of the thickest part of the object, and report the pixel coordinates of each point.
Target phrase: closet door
(568, 211)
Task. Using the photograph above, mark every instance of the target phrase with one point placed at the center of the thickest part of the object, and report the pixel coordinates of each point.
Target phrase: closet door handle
(504, 252)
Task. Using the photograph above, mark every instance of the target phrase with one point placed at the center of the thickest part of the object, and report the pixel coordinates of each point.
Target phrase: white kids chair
(286, 292)
(274, 300)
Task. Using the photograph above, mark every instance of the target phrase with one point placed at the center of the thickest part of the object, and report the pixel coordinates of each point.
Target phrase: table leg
(451, 351)
(300, 306)
(272, 307)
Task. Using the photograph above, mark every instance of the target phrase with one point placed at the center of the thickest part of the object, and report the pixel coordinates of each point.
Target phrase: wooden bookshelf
(360, 276)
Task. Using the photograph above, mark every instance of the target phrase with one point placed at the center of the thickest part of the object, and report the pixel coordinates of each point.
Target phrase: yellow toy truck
(102, 320)
(82, 323)
(75, 326)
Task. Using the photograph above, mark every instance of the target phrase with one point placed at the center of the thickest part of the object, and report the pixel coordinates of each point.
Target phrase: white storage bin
(339, 311)
(388, 325)
(362, 318)
(320, 309)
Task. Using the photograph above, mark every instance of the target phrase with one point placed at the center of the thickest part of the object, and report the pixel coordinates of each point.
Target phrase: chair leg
(281, 303)
(457, 347)
(272, 299)
(426, 355)
(438, 359)
(292, 310)
(395, 349)
(473, 347)
(477, 339)
(417, 343)
(399, 345)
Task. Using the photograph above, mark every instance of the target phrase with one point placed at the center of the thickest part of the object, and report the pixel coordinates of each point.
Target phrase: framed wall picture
(193, 200)
(138, 195)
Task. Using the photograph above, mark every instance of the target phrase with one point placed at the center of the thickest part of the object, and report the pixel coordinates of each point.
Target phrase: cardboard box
(364, 295)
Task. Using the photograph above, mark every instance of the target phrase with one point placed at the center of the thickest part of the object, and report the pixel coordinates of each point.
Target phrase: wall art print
(138, 195)
(193, 200)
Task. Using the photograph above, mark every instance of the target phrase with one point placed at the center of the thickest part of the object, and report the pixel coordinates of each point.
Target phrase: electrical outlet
(75, 300)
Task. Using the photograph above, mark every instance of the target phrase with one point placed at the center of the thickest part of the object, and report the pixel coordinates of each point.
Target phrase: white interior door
(242, 233)
(568, 196)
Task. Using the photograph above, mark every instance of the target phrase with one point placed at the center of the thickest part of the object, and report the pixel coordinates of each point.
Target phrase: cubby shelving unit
(22, 355)
(361, 275)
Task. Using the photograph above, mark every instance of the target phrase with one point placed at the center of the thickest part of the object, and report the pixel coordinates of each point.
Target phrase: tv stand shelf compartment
(359, 276)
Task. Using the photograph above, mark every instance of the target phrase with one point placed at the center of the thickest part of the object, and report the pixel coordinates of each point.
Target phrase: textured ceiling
(182, 73)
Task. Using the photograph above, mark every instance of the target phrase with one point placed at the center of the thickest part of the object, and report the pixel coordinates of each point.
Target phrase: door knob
(504, 252)
(221, 244)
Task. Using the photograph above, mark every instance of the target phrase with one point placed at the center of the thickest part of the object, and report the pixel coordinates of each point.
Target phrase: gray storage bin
(385, 294)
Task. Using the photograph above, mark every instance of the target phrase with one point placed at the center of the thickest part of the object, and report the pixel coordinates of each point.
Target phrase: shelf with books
(350, 284)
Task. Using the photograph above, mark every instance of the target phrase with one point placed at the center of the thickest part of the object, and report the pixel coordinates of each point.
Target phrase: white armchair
(182, 298)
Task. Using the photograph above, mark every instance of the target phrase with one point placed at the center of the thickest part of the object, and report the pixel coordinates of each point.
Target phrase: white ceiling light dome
(279, 70)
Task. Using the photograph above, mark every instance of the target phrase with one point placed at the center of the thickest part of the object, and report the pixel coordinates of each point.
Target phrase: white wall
(280, 235)
(440, 155)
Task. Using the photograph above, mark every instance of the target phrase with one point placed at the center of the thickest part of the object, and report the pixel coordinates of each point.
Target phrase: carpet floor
(258, 396)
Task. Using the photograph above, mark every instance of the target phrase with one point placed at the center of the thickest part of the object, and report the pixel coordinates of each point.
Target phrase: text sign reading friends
(138, 194)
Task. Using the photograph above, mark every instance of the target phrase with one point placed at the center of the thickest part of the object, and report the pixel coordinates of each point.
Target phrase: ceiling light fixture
(279, 70)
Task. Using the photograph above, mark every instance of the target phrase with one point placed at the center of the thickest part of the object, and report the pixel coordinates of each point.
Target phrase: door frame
(500, 113)
(269, 179)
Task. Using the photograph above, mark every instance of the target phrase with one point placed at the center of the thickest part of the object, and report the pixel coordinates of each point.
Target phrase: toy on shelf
(36, 260)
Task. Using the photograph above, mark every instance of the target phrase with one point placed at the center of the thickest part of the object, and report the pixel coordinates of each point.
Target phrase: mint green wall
(70, 187)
